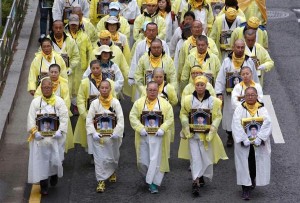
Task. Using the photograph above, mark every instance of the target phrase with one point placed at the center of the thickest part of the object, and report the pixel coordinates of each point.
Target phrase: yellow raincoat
(63, 92)
(89, 29)
(135, 122)
(38, 66)
(216, 142)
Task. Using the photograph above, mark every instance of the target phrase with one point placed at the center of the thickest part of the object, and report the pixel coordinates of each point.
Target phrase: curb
(8, 97)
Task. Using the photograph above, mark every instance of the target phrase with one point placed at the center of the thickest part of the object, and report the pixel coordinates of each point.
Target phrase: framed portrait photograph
(105, 123)
(232, 79)
(152, 120)
(47, 3)
(66, 14)
(200, 120)
(102, 8)
(257, 64)
(108, 73)
(252, 126)
(225, 40)
(47, 124)
(90, 100)
(66, 59)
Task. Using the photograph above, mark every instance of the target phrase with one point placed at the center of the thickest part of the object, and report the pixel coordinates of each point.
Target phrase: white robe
(220, 87)
(239, 91)
(130, 10)
(201, 159)
(46, 155)
(150, 156)
(59, 5)
(262, 153)
(177, 54)
(174, 41)
(106, 155)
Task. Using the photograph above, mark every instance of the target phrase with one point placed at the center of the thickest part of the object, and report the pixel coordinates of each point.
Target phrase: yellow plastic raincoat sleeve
(82, 97)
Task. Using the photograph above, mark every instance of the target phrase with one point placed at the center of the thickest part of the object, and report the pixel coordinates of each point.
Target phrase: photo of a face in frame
(47, 125)
(151, 121)
(252, 131)
(104, 123)
(200, 119)
(234, 81)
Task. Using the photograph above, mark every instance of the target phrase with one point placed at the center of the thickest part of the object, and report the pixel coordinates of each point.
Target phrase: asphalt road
(79, 183)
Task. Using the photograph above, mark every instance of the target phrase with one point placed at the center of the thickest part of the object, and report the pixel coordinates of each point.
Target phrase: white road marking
(298, 20)
(276, 132)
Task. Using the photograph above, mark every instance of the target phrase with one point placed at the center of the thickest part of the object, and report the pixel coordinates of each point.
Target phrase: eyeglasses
(250, 95)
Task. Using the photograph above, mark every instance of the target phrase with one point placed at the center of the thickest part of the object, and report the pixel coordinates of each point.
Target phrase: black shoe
(44, 187)
(229, 142)
(201, 181)
(196, 189)
(53, 180)
(246, 193)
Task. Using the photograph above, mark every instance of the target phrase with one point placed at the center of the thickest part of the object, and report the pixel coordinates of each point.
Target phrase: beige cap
(112, 20)
(74, 19)
(103, 48)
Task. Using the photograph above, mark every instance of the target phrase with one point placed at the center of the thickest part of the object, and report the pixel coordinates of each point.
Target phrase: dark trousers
(44, 12)
(251, 165)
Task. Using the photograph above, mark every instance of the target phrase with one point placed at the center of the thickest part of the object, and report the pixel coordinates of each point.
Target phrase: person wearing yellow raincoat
(255, 8)
(252, 23)
(39, 67)
(150, 15)
(67, 47)
(85, 24)
(222, 29)
(152, 148)
(208, 62)
(203, 148)
(232, 4)
(112, 24)
(84, 45)
(61, 89)
(119, 58)
(114, 10)
(259, 55)
(88, 91)
(190, 43)
(203, 12)
(190, 88)
(155, 58)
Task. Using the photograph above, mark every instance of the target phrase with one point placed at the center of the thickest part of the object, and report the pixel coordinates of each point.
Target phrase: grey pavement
(78, 183)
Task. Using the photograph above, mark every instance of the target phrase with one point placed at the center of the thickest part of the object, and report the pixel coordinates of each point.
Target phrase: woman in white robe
(252, 158)
(105, 148)
(46, 153)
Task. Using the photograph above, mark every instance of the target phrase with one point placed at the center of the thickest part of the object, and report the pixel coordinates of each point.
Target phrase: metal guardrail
(9, 34)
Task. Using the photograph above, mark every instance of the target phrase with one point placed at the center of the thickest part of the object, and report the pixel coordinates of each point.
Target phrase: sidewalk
(14, 106)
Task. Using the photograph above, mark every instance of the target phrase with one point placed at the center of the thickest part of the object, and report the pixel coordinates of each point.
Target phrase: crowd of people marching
(207, 56)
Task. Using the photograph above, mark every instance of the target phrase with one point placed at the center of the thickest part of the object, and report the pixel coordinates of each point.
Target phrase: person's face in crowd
(96, 69)
(47, 125)
(105, 56)
(105, 89)
(201, 46)
(195, 74)
(200, 120)
(54, 73)
(151, 32)
(246, 75)
(250, 96)
(151, 122)
(151, 9)
(74, 27)
(236, 81)
(105, 41)
(46, 47)
(162, 4)
(188, 20)
(196, 28)
(58, 29)
(239, 48)
(152, 91)
(112, 28)
(46, 88)
(253, 132)
(156, 49)
(200, 88)
(158, 78)
(250, 40)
